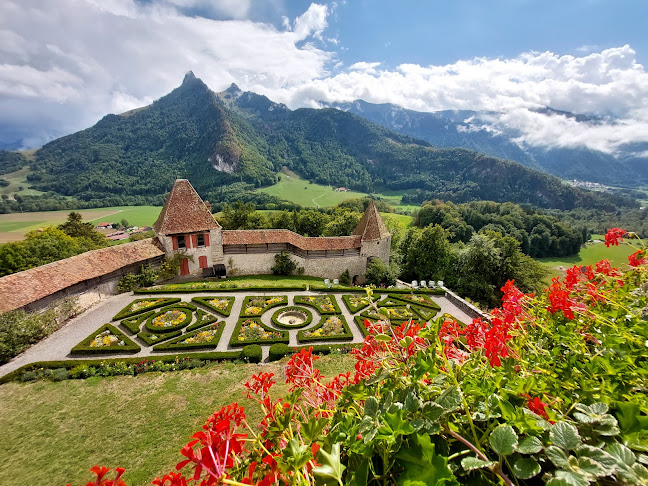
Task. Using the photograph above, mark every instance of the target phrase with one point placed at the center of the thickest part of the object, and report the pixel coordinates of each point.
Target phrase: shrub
(345, 277)
(59, 374)
(146, 276)
(284, 265)
(379, 274)
(171, 318)
(252, 353)
(330, 328)
(278, 351)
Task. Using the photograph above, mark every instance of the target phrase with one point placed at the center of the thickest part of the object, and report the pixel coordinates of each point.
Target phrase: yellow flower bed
(170, 318)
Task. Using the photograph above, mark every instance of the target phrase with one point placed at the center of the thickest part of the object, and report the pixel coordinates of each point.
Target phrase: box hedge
(355, 308)
(278, 351)
(252, 353)
(133, 324)
(425, 313)
(84, 346)
(275, 316)
(390, 302)
(202, 319)
(128, 312)
(150, 339)
(425, 301)
(318, 301)
(235, 341)
(180, 344)
(206, 302)
(182, 324)
(345, 335)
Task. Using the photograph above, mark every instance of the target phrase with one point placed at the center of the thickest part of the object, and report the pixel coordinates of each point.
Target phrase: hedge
(71, 363)
(305, 300)
(202, 319)
(294, 288)
(223, 312)
(426, 303)
(353, 309)
(252, 353)
(347, 334)
(246, 301)
(155, 330)
(362, 290)
(390, 302)
(359, 320)
(126, 312)
(147, 337)
(133, 324)
(425, 313)
(309, 317)
(234, 341)
(278, 351)
(84, 346)
(179, 345)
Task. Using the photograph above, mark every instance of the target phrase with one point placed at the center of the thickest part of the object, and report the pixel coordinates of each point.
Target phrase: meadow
(55, 432)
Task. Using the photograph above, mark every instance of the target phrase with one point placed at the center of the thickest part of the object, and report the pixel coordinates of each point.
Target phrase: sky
(64, 64)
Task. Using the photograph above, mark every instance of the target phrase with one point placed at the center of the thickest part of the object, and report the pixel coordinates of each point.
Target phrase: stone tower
(376, 239)
(186, 226)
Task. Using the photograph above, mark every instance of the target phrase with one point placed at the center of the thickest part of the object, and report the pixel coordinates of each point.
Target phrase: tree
(284, 265)
(124, 223)
(342, 225)
(379, 274)
(76, 228)
(427, 254)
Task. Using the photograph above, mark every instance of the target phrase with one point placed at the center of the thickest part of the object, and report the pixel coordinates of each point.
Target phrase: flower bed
(416, 299)
(390, 302)
(150, 339)
(133, 324)
(168, 319)
(202, 319)
(399, 314)
(325, 304)
(253, 331)
(220, 305)
(206, 337)
(141, 305)
(277, 315)
(330, 328)
(107, 339)
(254, 306)
(356, 303)
(425, 313)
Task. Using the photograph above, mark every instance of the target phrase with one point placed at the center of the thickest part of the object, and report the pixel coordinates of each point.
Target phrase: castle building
(186, 226)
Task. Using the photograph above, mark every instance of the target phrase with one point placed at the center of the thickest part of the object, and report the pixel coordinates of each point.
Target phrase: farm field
(55, 432)
(14, 226)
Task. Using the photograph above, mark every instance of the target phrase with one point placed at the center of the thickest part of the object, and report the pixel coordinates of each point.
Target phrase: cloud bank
(64, 66)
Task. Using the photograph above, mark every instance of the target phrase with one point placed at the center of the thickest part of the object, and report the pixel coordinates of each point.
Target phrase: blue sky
(65, 64)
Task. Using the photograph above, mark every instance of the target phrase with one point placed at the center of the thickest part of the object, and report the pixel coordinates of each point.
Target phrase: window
(181, 242)
(200, 240)
(202, 262)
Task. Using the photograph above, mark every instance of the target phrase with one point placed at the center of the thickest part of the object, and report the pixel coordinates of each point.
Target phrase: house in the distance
(186, 226)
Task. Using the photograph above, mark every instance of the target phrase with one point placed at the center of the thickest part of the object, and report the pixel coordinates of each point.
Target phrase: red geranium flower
(613, 236)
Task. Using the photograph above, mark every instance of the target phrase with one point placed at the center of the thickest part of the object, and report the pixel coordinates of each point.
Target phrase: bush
(146, 277)
(379, 274)
(284, 265)
(59, 374)
(345, 277)
(278, 351)
(252, 353)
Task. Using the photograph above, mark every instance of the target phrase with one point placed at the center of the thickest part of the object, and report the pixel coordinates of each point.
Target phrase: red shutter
(175, 242)
(184, 266)
(195, 240)
(188, 241)
(202, 261)
(206, 239)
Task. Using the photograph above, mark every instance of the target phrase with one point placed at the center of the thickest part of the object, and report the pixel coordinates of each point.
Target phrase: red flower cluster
(101, 479)
(259, 384)
(537, 406)
(613, 236)
(637, 258)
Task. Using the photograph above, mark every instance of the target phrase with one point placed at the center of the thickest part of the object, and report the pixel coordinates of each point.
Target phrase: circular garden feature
(292, 317)
(168, 320)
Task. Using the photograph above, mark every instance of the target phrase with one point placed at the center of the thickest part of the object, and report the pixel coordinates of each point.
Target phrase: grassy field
(17, 180)
(53, 433)
(14, 226)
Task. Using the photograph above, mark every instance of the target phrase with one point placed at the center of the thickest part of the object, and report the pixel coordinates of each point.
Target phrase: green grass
(17, 180)
(53, 433)
(262, 281)
(135, 215)
(405, 219)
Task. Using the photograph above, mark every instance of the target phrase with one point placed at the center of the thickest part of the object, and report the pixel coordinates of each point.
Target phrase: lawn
(262, 281)
(54, 432)
(14, 226)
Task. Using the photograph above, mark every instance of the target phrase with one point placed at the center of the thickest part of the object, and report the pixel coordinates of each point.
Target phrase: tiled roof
(20, 289)
(371, 226)
(184, 212)
(262, 237)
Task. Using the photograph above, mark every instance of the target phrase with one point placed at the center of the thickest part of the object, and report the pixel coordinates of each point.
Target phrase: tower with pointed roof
(375, 237)
(186, 226)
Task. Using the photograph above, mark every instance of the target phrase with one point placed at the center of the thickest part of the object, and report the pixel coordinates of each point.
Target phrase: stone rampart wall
(329, 267)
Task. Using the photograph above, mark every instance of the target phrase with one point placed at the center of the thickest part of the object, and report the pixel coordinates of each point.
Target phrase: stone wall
(377, 248)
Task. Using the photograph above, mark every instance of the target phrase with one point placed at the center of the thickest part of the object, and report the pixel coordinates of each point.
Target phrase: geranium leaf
(557, 456)
(525, 468)
(565, 436)
(422, 466)
(412, 402)
(571, 478)
(503, 440)
(590, 466)
(296, 454)
(598, 455)
(450, 399)
(621, 453)
(529, 445)
(371, 407)
(331, 467)
(472, 463)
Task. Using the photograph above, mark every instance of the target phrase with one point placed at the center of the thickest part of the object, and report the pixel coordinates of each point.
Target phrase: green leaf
(331, 467)
(296, 454)
(621, 453)
(599, 455)
(371, 407)
(557, 482)
(503, 440)
(359, 475)
(450, 399)
(591, 467)
(472, 463)
(571, 478)
(526, 468)
(599, 408)
(422, 466)
(312, 429)
(382, 338)
(565, 436)
(557, 456)
(529, 445)
(432, 411)
(412, 402)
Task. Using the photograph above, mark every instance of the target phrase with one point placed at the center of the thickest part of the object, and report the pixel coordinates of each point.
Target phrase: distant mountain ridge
(461, 128)
(219, 140)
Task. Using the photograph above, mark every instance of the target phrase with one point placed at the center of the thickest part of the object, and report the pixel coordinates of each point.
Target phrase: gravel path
(58, 345)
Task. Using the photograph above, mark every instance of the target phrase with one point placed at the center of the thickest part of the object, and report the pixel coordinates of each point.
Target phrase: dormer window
(181, 242)
(200, 240)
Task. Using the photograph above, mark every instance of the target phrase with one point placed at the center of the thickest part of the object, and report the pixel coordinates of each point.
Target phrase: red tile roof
(20, 289)
(262, 237)
(184, 212)
(371, 226)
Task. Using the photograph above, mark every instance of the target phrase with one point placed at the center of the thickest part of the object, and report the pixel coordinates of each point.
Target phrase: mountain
(220, 140)
(470, 129)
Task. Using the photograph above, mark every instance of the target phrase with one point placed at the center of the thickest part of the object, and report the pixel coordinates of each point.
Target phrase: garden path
(58, 345)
